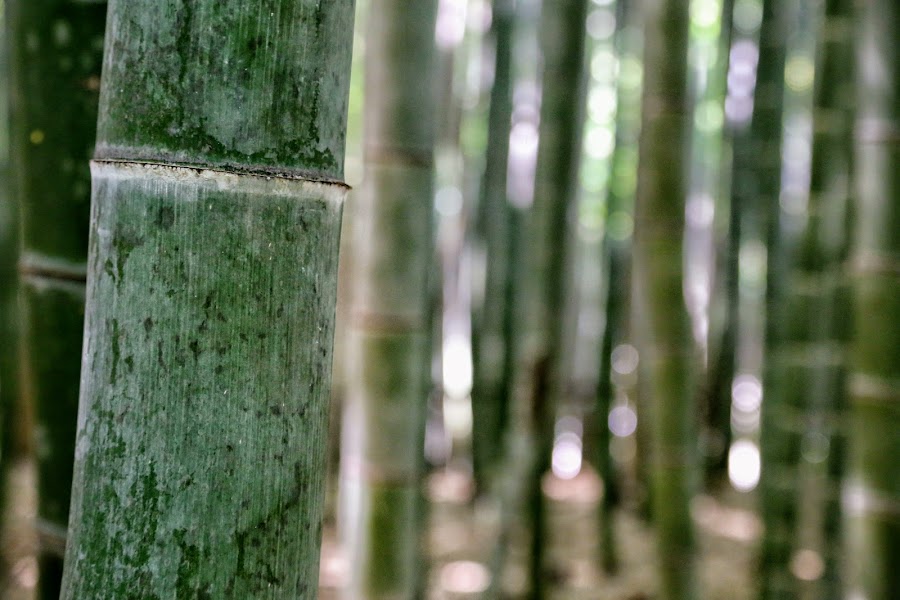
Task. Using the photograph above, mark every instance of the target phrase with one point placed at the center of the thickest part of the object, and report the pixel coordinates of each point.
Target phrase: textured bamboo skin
(818, 304)
(389, 328)
(872, 493)
(491, 386)
(55, 57)
(206, 372)
(666, 347)
(782, 416)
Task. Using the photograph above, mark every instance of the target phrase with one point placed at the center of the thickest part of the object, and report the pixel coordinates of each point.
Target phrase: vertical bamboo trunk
(389, 329)
(9, 254)
(491, 390)
(212, 270)
(819, 302)
(872, 492)
(721, 333)
(562, 42)
(55, 56)
(616, 244)
(782, 416)
(667, 347)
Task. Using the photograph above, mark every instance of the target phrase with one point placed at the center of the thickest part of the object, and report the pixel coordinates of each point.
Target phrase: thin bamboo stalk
(216, 209)
(390, 327)
(55, 57)
(722, 333)
(819, 297)
(491, 387)
(872, 491)
(666, 342)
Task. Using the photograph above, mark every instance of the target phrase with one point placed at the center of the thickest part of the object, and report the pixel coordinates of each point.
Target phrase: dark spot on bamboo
(165, 218)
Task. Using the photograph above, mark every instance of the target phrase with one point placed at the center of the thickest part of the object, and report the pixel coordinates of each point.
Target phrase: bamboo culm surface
(872, 489)
(55, 50)
(666, 345)
(389, 322)
(215, 217)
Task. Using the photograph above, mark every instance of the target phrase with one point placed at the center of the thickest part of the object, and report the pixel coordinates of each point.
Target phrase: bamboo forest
(450, 299)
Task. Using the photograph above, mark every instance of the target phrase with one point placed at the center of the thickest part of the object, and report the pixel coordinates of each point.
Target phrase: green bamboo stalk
(389, 329)
(782, 415)
(490, 387)
(212, 266)
(55, 57)
(819, 288)
(9, 255)
(562, 42)
(666, 345)
(872, 491)
(615, 252)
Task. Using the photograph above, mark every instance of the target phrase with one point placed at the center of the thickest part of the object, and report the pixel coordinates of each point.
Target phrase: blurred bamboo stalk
(615, 255)
(491, 371)
(55, 58)
(872, 491)
(562, 42)
(666, 344)
(389, 328)
(782, 418)
(819, 300)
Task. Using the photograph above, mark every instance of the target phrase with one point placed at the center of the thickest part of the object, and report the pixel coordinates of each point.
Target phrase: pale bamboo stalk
(389, 328)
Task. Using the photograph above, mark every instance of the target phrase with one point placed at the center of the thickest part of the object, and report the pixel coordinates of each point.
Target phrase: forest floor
(461, 539)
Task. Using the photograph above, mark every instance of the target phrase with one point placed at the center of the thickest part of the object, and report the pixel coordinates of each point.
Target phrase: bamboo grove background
(450, 299)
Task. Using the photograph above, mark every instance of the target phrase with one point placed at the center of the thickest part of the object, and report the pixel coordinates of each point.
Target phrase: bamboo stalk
(55, 57)
(872, 491)
(389, 330)
(491, 388)
(562, 43)
(782, 414)
(212, 269)
(721, 334)
(818, 301)
(666, 345)
(616, 245)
